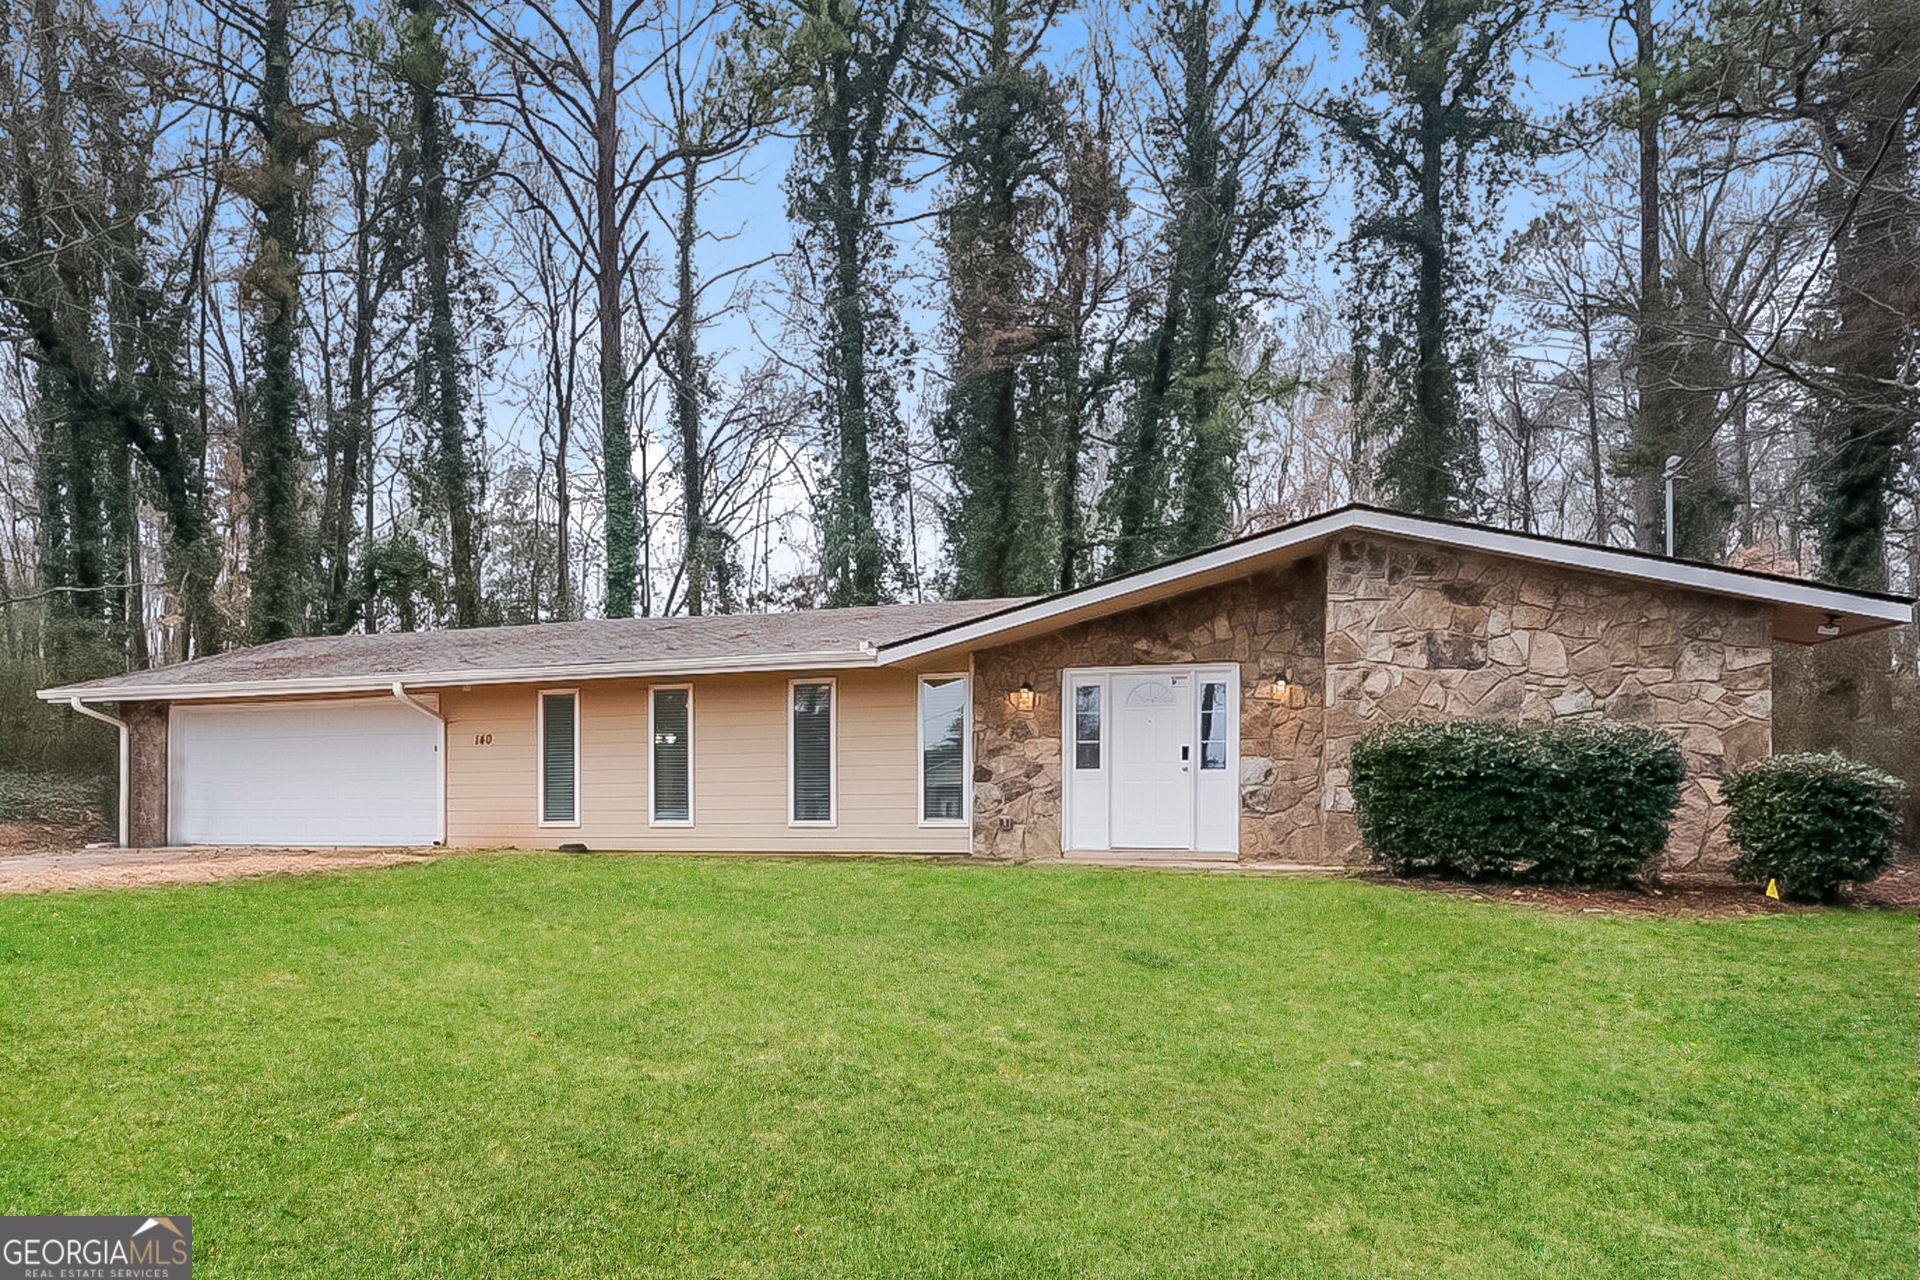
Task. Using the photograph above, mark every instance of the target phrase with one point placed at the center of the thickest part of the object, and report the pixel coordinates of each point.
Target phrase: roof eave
(1875, 610)
(822, 660)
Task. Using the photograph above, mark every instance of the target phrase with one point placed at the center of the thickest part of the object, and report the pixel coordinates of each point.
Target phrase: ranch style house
(1203, 709)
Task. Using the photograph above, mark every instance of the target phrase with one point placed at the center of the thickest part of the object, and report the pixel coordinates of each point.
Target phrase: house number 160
(482, 739)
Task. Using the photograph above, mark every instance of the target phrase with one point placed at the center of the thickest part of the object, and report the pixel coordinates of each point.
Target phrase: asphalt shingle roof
(704, 642)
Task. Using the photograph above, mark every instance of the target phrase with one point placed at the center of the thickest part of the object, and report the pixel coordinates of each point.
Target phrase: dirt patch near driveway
(140, 868)
(1677, 895)
(50, 837)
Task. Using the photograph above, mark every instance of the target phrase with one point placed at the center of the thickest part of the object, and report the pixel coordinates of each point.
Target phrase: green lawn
(539, 1065)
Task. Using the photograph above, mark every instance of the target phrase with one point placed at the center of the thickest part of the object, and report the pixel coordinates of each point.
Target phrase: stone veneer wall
(1269, 623)
(1420, 629)
(146, 773)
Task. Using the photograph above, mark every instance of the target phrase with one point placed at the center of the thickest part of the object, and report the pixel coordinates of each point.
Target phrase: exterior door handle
(1186, 754)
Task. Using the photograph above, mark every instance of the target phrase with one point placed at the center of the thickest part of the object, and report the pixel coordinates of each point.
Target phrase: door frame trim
(1200, 672)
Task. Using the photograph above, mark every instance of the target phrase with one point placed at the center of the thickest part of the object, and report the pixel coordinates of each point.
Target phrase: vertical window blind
(943, 726)
(813, 753)
(672, 756)
(559, 780)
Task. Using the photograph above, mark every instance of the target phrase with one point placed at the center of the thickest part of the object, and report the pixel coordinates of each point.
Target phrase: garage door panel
(330, 773)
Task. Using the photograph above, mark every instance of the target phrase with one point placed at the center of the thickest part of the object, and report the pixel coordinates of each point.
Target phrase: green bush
(1580, 802)
(1812, 822)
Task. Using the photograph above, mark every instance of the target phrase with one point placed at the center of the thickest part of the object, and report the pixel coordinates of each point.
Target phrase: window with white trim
(943, 749)
(672, 765)
(560, 758)
(1213, 724)
(810, 753)
(1086, 726)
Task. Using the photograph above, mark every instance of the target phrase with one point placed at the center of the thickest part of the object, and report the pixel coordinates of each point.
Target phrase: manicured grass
(546, 1066)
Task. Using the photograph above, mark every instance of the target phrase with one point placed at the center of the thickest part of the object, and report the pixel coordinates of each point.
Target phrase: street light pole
(1673, 469)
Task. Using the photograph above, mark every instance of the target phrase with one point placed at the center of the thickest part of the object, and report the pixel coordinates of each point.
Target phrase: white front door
(1153, 761)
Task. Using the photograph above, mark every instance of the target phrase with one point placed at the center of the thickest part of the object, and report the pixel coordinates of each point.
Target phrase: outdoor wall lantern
(1279, 691)
(1022, 698)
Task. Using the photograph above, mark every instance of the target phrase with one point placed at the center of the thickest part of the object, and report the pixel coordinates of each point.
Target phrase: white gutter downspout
(125, 767)
(400, 692)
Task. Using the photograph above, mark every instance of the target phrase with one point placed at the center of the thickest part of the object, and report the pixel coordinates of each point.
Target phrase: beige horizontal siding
(739, 768)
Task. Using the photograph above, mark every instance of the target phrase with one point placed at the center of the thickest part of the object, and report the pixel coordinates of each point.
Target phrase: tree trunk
(353, 423)
(1652, 434)
(616, 442)
(1602, 528)
(440, 348)
(1428, 488)
(1140, 461)
(1743, 460)
(276, 606)
(564, 606)
(852, 535)
(686, 399)
(1866, 422)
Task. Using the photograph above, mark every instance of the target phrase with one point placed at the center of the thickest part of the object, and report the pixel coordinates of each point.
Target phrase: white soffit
(1799, 604)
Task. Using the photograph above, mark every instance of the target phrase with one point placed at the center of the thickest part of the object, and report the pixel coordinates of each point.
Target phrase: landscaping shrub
(1812, 822)
(1580, 802)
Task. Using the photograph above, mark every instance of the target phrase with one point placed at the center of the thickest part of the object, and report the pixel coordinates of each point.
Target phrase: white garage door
(311, 773)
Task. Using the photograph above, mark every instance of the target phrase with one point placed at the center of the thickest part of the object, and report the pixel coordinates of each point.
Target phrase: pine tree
(101, 306)
(1843, 80)
(278, 560)
(1003, 136)
(861, 64)
(444, 171)
(1435, 135)
(1223, 148)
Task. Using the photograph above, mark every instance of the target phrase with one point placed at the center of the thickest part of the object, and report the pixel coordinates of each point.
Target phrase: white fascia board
(383, 682)
(1116, 593)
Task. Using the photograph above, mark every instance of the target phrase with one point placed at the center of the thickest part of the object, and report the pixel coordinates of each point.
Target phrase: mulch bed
(1676, 895)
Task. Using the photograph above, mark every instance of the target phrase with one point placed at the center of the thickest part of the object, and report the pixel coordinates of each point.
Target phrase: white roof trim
(383, 682)
(1594, 559)
(1679, 573)
(1114, 589)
